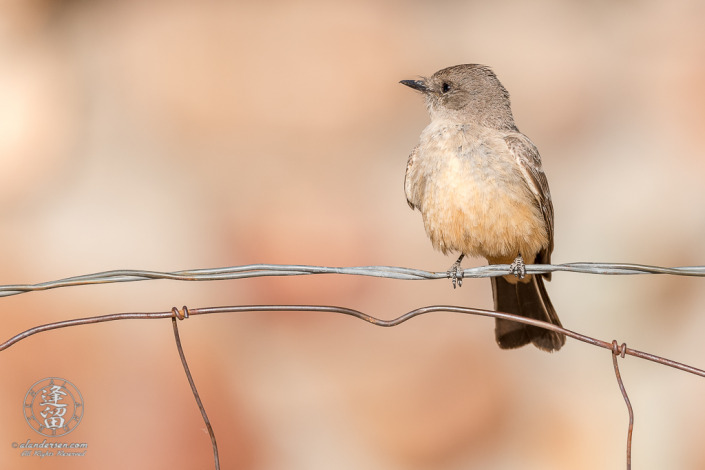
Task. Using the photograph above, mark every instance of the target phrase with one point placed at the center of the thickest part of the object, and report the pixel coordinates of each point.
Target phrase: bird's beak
(416, 85)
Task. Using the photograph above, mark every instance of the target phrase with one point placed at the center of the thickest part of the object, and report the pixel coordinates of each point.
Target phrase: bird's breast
(472, 195)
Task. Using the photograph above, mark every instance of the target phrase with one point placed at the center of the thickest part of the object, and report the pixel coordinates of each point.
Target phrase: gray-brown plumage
(481, 191)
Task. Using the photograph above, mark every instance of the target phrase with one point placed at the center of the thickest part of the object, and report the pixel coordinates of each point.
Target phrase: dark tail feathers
(528, 299)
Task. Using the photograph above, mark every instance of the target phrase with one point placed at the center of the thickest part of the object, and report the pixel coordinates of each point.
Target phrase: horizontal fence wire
(188, 312)
(389, 272)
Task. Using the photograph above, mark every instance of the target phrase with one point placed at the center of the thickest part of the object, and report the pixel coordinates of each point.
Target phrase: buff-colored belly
(475, 201)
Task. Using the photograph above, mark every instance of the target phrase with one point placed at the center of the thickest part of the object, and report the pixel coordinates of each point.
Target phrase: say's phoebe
(479, 185)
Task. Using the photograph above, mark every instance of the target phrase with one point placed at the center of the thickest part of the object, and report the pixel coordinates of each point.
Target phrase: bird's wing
(407, 177)
(529, 161)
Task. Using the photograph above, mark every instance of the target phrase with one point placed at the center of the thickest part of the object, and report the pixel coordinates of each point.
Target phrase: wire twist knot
(616, 349)
(180, 314)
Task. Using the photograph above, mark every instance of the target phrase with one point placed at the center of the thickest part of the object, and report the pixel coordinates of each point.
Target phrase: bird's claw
(518, 268)
(455, 274)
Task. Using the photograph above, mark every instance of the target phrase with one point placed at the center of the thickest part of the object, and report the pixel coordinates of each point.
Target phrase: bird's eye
(445, 87)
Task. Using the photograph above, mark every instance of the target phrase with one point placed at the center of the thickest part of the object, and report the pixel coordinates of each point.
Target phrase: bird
(481, 190)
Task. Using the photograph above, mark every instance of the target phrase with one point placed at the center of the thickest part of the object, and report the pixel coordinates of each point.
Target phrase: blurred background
(169, 135)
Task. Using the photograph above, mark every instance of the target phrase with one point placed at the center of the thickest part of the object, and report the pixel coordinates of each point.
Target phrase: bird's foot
(455, 274)
(518, 268)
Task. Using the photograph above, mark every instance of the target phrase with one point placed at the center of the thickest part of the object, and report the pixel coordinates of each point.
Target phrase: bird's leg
(518, 268)
(455, 273)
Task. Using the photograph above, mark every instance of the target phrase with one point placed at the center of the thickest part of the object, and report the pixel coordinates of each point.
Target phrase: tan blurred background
(172, 135)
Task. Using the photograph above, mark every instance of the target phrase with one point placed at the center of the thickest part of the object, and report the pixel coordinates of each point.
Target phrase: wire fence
(390, 272)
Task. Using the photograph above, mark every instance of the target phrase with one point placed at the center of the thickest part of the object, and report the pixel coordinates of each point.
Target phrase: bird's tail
(528, 299)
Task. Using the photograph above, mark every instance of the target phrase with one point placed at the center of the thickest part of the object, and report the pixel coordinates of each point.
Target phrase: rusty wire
(211, 433)
(620, 351)
(185, 312)
(354, 313)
